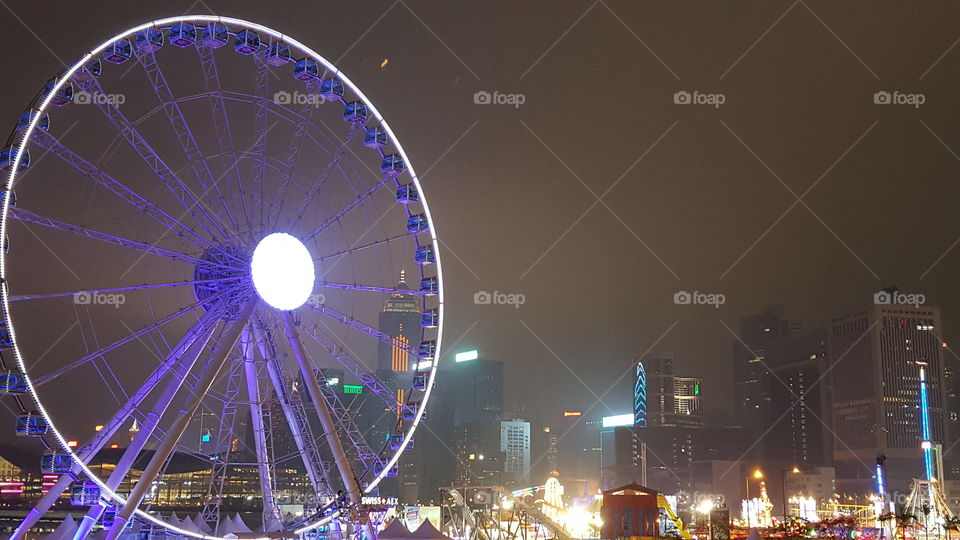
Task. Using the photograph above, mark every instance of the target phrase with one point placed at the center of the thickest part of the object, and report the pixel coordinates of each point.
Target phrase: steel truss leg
(326, 420)
(86, 453)
(294, 413)
(259, 435)
(213, 368)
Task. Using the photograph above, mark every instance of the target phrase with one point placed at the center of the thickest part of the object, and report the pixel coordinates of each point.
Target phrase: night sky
(599, 198)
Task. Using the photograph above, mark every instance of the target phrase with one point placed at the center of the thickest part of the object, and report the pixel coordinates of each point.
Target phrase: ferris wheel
(202, 217)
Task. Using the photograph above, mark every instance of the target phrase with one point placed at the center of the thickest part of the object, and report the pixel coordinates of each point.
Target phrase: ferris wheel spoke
(213, 367)
(188, 200)
(188, 144)
(347, 476)
(368, 288)
(221, 122)
(30, 217)
(47, 141)
(22, 297)
(262, 71)
(40, 381)
(343, 211)
(296, 144)
(321, 180)
(350, 364)
(293, 410)
(352, 250)
(361, 327)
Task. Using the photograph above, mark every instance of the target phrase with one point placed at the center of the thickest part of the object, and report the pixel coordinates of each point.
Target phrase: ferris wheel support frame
(179, 372)
(213, 367)
(264, 470)
(90, 449)
(294, 413)
(350, 482)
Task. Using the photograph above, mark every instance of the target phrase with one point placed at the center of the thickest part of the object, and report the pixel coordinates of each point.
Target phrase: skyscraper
(476, 387)
(751, 380)
(515, 445)
(799, 399)
(875, 390)
(400, 319)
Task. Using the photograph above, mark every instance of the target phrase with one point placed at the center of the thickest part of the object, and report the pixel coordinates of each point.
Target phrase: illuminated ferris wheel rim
(63, 79)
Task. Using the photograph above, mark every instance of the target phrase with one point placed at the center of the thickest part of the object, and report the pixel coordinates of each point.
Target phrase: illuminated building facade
(640, 396)
(875, 391)
(515, 446)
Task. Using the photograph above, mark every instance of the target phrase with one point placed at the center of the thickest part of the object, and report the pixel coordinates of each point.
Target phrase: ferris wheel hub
(282, 271)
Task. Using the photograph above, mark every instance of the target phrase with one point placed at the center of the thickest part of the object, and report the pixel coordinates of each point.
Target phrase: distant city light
(72, 444)
(333, 381)
(114, 446)
(467, 356)
(618, 420)
(98, 427)
(572, 413)
(205, 437)
(352, 389)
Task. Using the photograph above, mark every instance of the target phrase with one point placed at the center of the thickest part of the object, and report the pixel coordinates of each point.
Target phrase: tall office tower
(515, 446)
(800, 400)
(640, 396)
(751, 380)
(551, 453)
(400, 319)
(875, 382)
(476, 386)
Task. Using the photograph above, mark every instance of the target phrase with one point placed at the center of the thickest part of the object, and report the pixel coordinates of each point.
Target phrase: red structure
(630, 512)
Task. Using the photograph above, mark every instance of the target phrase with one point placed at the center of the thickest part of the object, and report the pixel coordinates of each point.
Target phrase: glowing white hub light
(282, 271)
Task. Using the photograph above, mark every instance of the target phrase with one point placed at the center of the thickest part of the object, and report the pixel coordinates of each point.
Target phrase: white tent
(65, 530)
(172, 519)
(188, 525)
(239, 526)
(201, 524)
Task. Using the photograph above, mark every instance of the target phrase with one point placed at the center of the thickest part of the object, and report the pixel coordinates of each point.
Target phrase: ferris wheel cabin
(332, 90)
(247, 42)
(149, 40)
(118, 52)
(306, 70)
(182, 35)
(31, 424)
(214, 36)
(12, 382)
